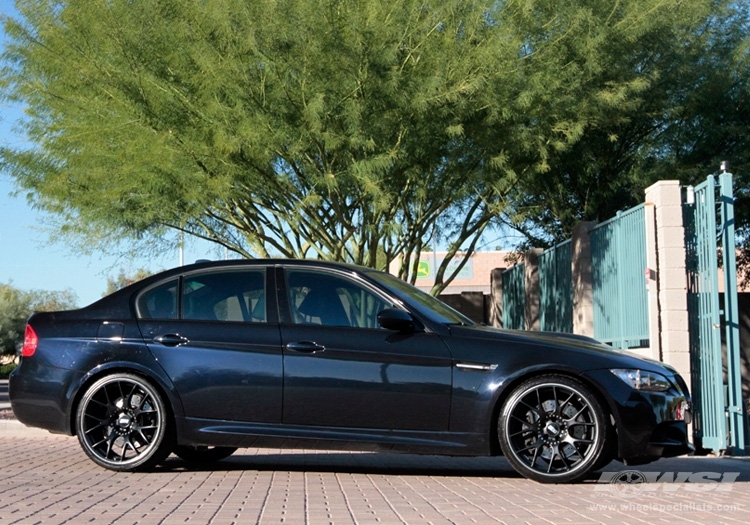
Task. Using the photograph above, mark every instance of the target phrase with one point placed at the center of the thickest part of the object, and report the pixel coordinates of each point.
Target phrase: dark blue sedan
(204, 359)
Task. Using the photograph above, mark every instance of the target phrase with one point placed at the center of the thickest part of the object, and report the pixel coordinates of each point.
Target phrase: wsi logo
(631, 483)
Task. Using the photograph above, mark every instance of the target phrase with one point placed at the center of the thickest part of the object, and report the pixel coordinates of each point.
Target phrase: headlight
(643, 380)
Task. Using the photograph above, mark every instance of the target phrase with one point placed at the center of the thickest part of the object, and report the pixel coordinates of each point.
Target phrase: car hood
(595, 353)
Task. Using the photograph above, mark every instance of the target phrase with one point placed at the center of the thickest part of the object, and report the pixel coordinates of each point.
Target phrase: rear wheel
(203, 454)
(123, 424)
(552, 429)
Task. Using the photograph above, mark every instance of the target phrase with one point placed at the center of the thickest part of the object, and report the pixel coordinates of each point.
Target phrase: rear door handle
(171, 340)
(306, 347)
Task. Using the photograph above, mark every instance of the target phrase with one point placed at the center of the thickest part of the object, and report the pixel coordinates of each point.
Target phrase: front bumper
(650, 425)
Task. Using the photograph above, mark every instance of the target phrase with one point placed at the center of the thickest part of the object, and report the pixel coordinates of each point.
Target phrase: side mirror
(398, 320)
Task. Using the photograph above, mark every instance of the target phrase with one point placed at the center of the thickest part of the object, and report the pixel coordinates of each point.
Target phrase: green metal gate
(709, 233)
(514, 298)
(618, 260)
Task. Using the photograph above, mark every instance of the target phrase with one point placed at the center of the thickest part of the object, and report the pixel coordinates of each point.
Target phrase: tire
(203, 454)
(123, 424)
(552, 429)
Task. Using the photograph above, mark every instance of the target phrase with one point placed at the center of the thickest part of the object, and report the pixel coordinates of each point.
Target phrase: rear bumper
(36, 399)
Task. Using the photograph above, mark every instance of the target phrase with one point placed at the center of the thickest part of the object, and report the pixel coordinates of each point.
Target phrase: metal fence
(556, 288)
(514, 298)
(618, 256)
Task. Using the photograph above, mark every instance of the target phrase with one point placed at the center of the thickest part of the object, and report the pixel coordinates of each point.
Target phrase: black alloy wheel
(203, 454)
(123, 424)
(552, 429)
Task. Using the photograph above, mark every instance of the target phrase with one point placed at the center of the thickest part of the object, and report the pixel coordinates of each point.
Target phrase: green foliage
(338, 129)
(6, 369)
(17, 305)
(688, 111)
(122, 280)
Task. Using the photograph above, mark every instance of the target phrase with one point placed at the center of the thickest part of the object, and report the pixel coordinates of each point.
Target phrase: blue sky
(27, 258)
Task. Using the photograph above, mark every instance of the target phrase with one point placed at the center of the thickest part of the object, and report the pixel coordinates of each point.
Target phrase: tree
(347, 130)
(17, 305)
(122, 280)
(692, 111)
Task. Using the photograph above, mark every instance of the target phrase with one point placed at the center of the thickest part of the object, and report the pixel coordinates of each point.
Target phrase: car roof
(115, 301)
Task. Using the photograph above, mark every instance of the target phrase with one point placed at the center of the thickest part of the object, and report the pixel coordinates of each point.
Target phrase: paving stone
(47, 479)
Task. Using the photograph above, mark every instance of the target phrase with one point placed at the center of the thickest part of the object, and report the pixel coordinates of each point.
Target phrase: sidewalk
(4, 400)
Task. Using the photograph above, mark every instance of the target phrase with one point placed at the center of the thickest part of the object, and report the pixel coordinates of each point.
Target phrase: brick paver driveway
(48, 479)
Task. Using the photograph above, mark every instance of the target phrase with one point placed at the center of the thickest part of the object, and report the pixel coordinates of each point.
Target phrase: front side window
(330, 300)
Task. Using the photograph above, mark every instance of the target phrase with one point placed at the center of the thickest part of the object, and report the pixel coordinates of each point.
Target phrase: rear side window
(159, 302)
(234, 296)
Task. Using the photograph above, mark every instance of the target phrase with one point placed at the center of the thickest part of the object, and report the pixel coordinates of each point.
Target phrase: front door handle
(306, 347)
(171, 340)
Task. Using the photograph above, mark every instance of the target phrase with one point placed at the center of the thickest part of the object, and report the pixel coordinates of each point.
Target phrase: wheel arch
(162, 385)
(512, 383)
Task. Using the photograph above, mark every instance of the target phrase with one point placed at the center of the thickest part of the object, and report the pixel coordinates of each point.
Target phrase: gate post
(496, 300)
(735, 410)
(582, 277)
(531, 285)
(651, 275)
(674, 334)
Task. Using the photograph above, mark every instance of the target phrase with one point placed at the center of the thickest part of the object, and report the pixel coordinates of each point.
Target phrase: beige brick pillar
(671, 276)
(531, 284)
(582, 277)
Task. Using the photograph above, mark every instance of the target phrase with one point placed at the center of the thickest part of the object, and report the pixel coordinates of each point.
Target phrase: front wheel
(552, 429)
(123, 424)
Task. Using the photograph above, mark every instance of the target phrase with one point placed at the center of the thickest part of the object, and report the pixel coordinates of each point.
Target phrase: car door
(216, 335)
(341, 369)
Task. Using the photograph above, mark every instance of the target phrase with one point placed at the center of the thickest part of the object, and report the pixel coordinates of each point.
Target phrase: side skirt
(211, 432)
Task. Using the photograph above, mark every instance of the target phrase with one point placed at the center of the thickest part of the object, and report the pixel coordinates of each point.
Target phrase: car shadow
(353, 463)
(665, 470)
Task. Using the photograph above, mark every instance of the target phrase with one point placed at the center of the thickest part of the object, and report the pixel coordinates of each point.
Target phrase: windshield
(424, 303)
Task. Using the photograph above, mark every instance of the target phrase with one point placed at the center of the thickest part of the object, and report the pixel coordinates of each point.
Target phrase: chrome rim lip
(538, 463)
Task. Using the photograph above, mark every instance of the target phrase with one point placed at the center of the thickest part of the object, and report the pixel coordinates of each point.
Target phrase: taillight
(30, 342)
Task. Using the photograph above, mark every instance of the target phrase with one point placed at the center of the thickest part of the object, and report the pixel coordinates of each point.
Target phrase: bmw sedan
(204, 359)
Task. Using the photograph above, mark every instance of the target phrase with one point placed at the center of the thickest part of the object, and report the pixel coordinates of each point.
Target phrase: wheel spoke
(535, 446)
(538, 410)
(561, 455)
(102, 424)
(554, 398)
(573, 423)
(143, 437)
(577, 414)
(565, 403)
(525, 431)
(523, 420)
(534, 457)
